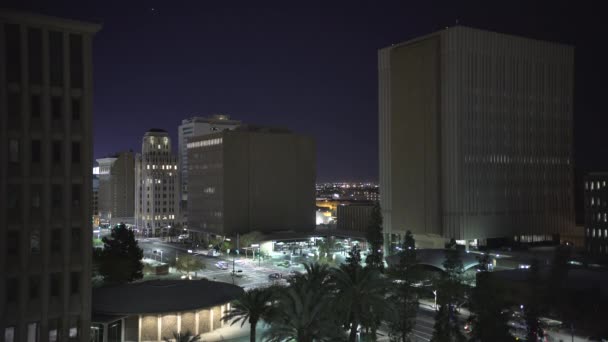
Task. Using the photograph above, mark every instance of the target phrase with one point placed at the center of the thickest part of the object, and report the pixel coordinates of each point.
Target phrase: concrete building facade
(45, 177)
(476, 136)
(354, 216)
(251, 179)
(156, 184)
(596, 213)
(116, 192)
(192, 127)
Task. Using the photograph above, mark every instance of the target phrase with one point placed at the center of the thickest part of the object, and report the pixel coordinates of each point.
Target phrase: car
(221, 265)
(274, 276)
(213, 253)
(285, 263)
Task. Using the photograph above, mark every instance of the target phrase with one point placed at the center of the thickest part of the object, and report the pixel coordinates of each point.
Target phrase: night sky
(306, 65)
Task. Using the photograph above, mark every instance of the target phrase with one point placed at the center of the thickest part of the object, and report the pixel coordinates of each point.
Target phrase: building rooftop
(435, 258)
(215, 118)
(160, 296)
(36, 19)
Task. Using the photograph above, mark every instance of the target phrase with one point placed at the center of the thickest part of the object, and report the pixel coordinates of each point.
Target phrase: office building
(156, 184)
(197, 126)
(45, 177)
(95, 197)
(476, 137)
(117, 188)
(596, 213)
(355, 216)
(250, 179)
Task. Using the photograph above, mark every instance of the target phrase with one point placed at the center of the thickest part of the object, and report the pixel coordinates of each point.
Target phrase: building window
(76, 61)
(55, 284)
(12, 242)
(13, 151)
(56, 152)
(56, 110)
(12, 290)
(76, 239)
(56, 57)
(76, 109)
(9, 334)
(56, 239)
(35, 107)
(35, 242)
(32, 332)
(76, 195)
(36, 195)
(34, 287)
(56, 195)
(12, 34)
(35, 55)
(75, 152)
(74, 282)
(35, 151)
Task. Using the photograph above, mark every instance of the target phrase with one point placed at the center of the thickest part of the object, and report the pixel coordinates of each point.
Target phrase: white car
(221, 265)
(213, 253)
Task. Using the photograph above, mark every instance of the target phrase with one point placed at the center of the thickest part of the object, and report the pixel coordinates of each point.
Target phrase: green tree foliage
(489, 316)
(403, 295)
(375, 240)
(304, 309)
(360, 297)
(326, 248)
(246, 240)
(183, 337)
(253, 306)
(120, 261)
(354, 257)
(450, 293)
(188, 263)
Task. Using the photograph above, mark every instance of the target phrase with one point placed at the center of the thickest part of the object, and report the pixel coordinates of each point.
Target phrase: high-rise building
(45, 177)
(251, 179)
(197, 126)
(596, 213)
(156, 184)
(117, 188)
(476, 136)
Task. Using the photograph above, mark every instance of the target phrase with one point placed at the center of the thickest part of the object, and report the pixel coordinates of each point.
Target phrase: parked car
(285, 263)
(213, 253)
(274, 276)
(221, 265)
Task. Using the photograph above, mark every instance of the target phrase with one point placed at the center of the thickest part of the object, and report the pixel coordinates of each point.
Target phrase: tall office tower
(192, 127)
(251, 179)
(117, 188)
(596, 213)
(45, 177)
(476, 136)
(156, 184)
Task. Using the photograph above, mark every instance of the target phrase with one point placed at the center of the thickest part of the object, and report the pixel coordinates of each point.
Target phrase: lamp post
(435, 293)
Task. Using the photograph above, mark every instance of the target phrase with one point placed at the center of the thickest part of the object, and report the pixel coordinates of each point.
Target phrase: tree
(489, 317)
(360, 297)
(403, 295)
(375, 240)
(304, 307)
(188, 263)
(326, 247)
(120, 261)
(246, 240)
(450, 293)
(253, 306)
(484, 260)
(354, 257)
(183, 337)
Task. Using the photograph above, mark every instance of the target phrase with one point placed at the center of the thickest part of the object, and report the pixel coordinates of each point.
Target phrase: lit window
(592, 201)
(586, 185)
(148, 166)
(592, 186)
(159, 147)
(598, 185)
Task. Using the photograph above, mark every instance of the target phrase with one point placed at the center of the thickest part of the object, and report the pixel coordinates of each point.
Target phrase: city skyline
(316, 75)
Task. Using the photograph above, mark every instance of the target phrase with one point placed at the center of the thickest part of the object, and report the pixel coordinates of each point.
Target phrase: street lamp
(435, 293)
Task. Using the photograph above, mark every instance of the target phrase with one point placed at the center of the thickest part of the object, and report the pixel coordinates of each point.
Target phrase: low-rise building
(596, 213)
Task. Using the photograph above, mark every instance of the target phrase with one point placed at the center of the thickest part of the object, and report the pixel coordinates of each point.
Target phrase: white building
(156, 184)
(197, 126)
(476, 136)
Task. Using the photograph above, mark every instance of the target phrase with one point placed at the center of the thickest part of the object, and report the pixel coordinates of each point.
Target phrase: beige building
(251, 179)
(476, 136)
(116, 194)
(156, 184)
(45, 177)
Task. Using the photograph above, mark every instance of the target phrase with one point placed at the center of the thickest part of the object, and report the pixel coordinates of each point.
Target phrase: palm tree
(183, 337)
(361, 296)
(303, 310)
(254, 304)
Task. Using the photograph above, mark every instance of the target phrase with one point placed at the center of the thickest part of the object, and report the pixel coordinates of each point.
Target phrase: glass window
(34, 287)
(35, 151)
(56, 58)
(9, 334)
(56, 240)
(75, 152)
(32, 332)
(36, 195)
(12, 34)
(56, 152)
(76, 61)
(12, 290)
(35, 106)
(35, 241)
(74, 282)
(56, 108)
(56, 196)
(76, 239)
(35, 55)
(76, 195)
(55, 284)
(76, 109)
(12, 242)
(13, 151)
(14, 109)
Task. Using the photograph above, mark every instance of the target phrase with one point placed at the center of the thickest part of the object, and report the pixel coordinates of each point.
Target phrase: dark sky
(306, 65)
